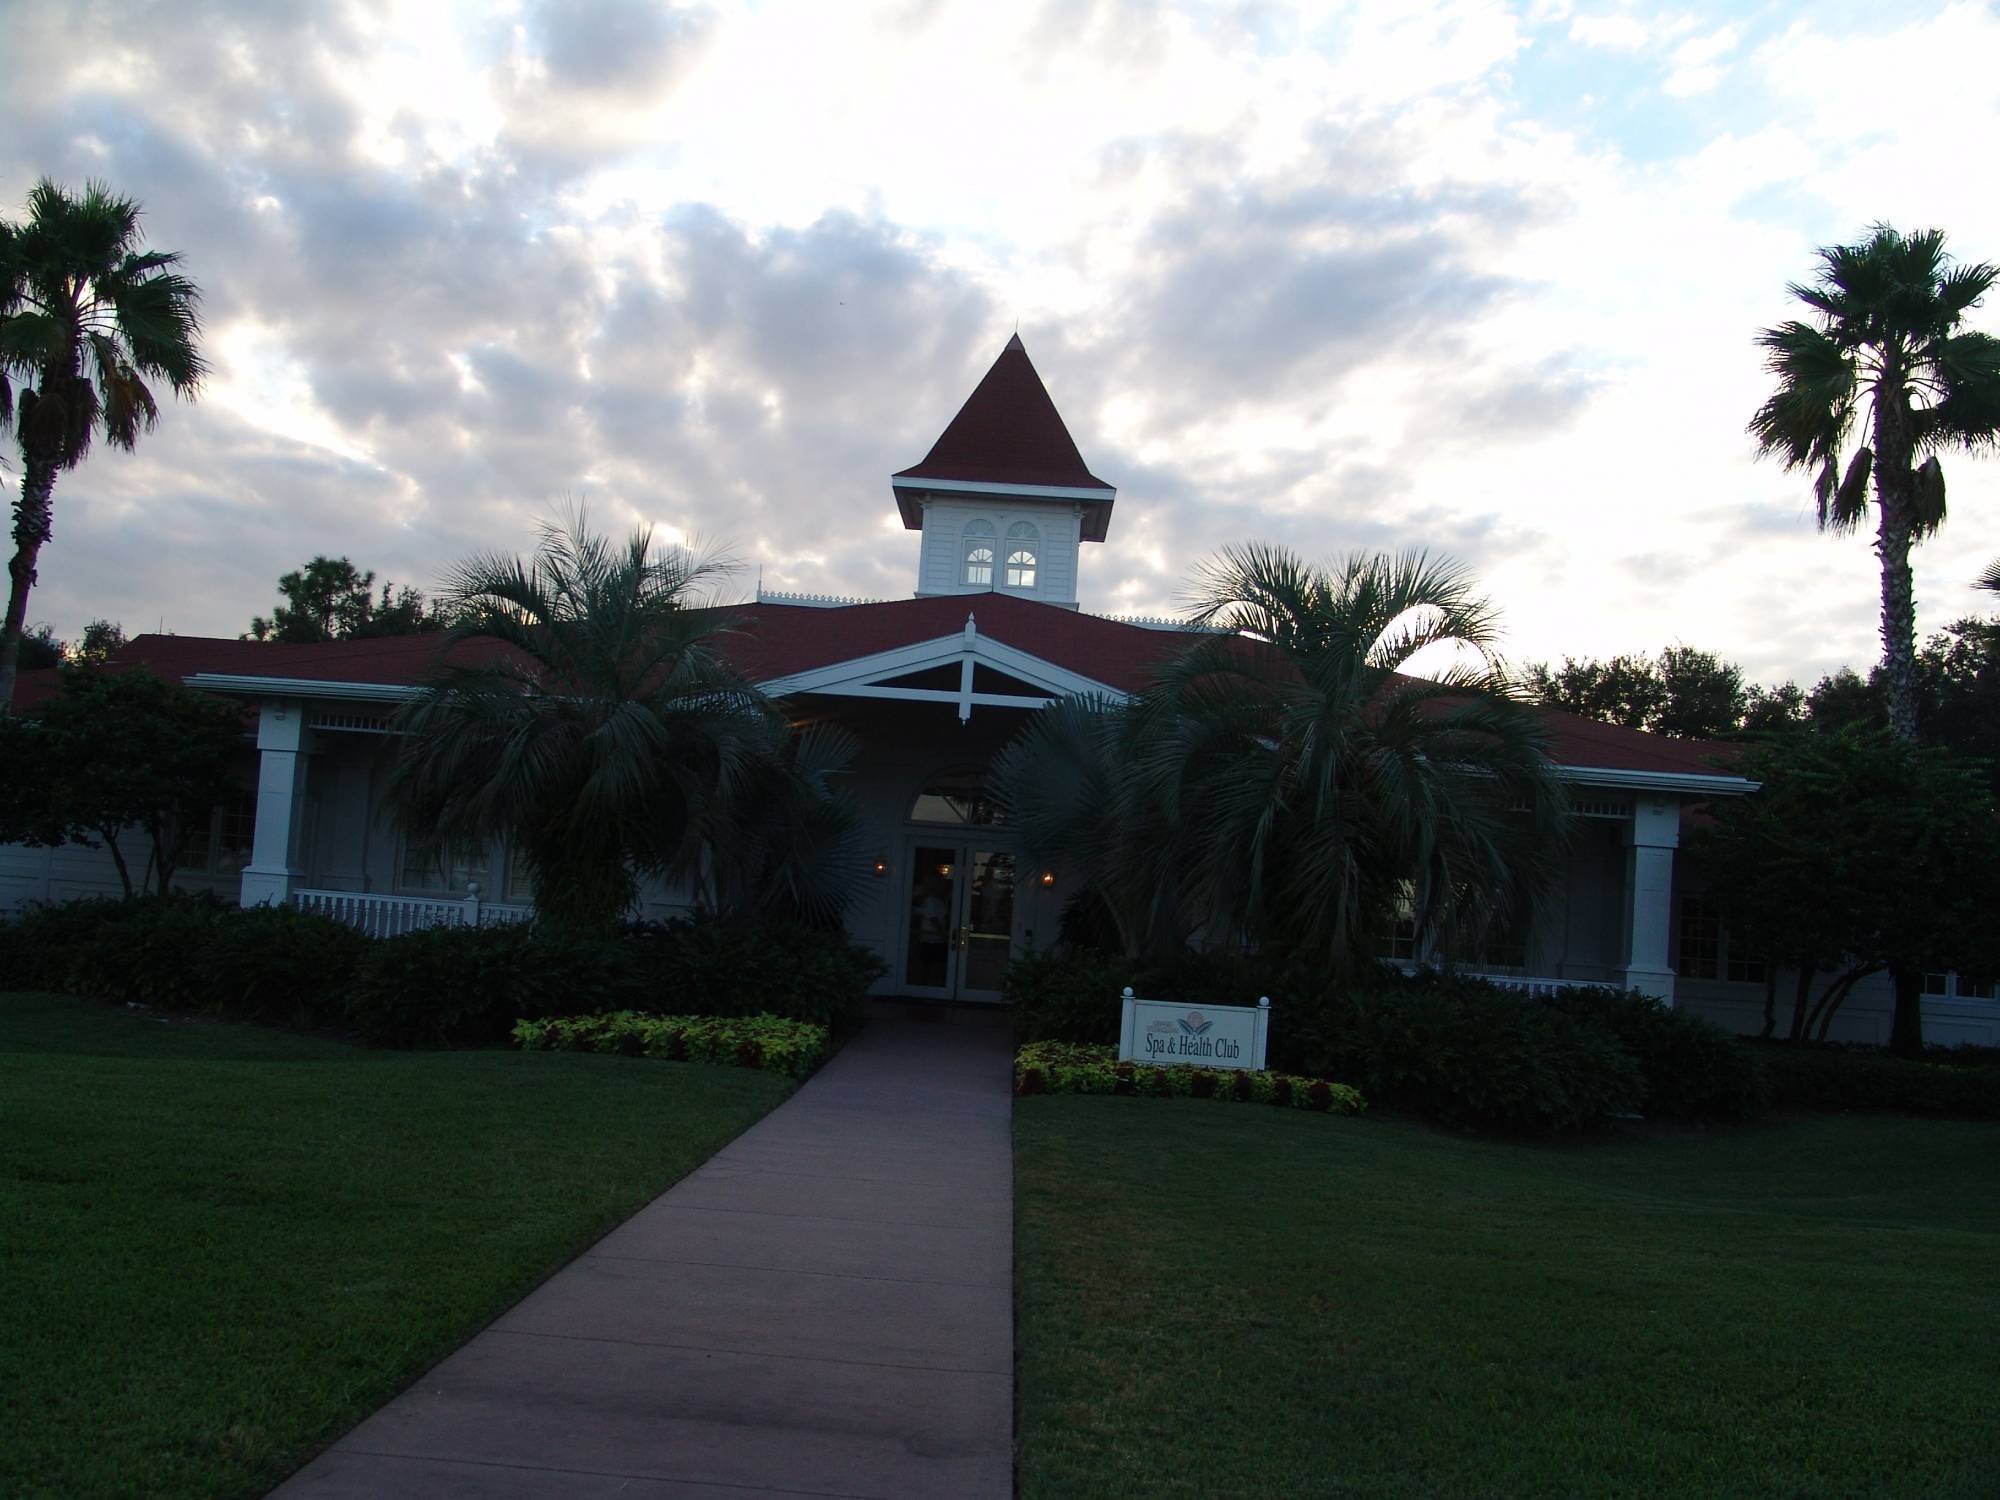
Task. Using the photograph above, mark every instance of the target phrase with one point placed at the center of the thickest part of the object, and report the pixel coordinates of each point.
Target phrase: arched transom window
(955, 797)
(1023, 542)
(979, 553)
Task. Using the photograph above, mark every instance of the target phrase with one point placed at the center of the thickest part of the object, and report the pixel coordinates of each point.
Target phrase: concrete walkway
(825, 1308)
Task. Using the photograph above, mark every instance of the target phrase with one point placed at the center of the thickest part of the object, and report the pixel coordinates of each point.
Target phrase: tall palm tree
(590, 720)
(1885, 335)
(1990, 579)
(86, 319)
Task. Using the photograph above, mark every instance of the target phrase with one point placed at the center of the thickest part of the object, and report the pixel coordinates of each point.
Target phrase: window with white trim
(1708, 950)
(979, 553)
(1396, 937)
(222, 844)
(1023, 543)
(443, 872)
(1955, 986)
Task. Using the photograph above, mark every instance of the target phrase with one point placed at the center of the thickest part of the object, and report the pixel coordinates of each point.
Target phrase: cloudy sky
(1473, 276)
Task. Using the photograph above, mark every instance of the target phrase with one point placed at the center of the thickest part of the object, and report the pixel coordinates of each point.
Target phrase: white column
(281, 781)
(1650, 840)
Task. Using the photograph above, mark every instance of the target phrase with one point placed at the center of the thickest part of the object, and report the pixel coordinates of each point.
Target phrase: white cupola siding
(1012, 547)
(1003, 498)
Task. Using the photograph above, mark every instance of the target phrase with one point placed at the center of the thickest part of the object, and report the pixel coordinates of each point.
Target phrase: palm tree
(1071, 781)
(1286, 783)
(86, 319)
(1885, 334)
(589, 719)
(1990, 579)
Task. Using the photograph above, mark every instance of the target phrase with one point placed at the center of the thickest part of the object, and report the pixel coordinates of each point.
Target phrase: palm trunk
(31, 530)
(1895, 486)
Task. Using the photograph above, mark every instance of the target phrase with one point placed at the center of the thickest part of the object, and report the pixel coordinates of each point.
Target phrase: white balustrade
(390, 916)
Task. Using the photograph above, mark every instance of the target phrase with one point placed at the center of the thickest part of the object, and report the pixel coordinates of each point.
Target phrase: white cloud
(1620, 33)
(1327, 274)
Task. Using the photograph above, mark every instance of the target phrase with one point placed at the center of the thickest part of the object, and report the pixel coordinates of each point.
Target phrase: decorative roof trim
(1102, 495)
(302, 687)
(1705, 784)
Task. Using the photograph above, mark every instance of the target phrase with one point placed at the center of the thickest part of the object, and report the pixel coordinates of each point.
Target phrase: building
(933, 686)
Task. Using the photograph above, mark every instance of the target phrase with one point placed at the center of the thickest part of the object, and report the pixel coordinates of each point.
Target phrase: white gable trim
(302, 687)
(1706, 785)
(868, 676)
(989, 487)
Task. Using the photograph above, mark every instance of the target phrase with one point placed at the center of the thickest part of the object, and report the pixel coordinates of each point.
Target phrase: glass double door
(961, 920)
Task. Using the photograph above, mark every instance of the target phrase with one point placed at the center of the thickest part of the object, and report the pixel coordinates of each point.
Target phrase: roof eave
(1704, 784)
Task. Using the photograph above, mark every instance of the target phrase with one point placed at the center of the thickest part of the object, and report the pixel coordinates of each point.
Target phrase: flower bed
(772, 1043)
(1084, 1068)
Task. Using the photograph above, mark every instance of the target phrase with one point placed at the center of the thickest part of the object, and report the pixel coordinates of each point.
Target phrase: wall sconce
(880, 866)
(1048, 878)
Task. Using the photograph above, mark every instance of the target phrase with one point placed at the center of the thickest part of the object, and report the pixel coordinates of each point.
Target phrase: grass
(222, 1245)
(1225, 1301)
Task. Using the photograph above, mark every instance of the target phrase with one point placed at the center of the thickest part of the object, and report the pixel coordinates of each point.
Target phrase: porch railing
(390, 916)
(1533, 984)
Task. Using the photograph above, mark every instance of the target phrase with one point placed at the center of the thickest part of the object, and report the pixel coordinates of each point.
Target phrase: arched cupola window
(1023, 543)
(957, 796)
(979, 553)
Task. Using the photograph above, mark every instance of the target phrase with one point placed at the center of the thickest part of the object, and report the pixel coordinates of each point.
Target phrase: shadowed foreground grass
(223, 1245)
(1227, 1301)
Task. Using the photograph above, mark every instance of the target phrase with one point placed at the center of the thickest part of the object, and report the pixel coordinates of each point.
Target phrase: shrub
(1067, 997)
(1831, 1076)
(150, 952)
(1473, 1056)
(722, 967)
(1092, 1068)
(38, 948)
(466, 986)
(1693, 1069)
(1459, 1050)
(773, 1043)
(276, 963)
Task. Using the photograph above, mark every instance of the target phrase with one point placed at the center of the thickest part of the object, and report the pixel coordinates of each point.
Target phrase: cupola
(1003, 498)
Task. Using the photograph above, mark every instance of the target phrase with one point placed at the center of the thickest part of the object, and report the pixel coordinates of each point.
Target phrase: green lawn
(220, 1246)
(1218, 1300)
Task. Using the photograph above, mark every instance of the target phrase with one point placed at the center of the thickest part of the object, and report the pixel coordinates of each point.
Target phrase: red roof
(771, 641)
(1009, 433)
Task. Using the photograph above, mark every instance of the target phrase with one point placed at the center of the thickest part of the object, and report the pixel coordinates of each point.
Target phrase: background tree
(86, 319)
(40, 649)
(1886, 335)
(109, 755)
(606, 739)
(100, 641)
(1861, 853)
(329, 599)
(1683, 692)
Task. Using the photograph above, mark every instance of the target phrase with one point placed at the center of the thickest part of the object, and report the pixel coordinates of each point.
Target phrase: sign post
(1165, 1032)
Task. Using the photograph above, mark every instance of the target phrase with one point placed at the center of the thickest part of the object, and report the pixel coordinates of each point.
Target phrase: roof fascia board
(1659, 781)
(989, 487)
(302, 687)
(865, 671)
(936, 695)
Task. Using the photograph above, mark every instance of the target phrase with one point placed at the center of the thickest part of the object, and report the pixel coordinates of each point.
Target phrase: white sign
(1165, 1032)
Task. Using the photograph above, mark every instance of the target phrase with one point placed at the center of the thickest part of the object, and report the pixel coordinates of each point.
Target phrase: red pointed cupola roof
(1008, 438)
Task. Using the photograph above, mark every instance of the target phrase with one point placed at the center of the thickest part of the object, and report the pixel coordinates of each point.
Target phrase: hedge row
(772, 1043)
(1084, 1068)
(1461, 1051)
(1961, 1083)
(444, 987)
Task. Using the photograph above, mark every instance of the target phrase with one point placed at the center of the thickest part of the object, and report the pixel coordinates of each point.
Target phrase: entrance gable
(990, 674)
